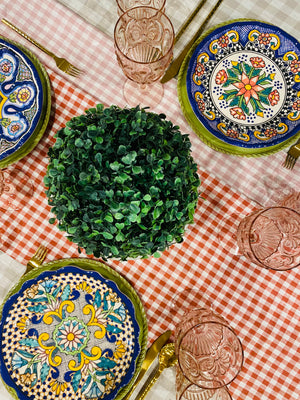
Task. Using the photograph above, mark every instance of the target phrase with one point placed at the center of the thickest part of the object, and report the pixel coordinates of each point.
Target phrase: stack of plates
(239, 88)
(25, 101)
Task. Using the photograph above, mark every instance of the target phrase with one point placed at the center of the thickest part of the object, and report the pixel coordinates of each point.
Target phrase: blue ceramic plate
(75, 330)
(25, 101)
(239, 88)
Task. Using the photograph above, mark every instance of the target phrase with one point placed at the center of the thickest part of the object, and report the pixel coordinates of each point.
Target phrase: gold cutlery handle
(150, 382)
(189, 20)
(24, 35)
(175, 64)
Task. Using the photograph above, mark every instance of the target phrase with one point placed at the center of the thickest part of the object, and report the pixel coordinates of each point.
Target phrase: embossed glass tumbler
(144, 40)
(210, 355)
(270, 238)
(16, 189)
(125, 5)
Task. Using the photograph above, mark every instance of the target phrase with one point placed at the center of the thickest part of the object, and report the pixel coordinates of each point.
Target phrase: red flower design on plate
(248, 87)
(270, 132)
(199, 70)
(274, 97)
(238, 113)
(232, 133)
(257, 62)
(295, 66)
(221, 77)
(264, 38)
(201, 105)
(296, 105)
(223, 41)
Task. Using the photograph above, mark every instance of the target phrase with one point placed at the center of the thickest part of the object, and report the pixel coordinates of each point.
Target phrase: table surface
(262, 306)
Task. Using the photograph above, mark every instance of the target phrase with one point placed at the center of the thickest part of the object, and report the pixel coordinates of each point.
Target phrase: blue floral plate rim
(192, 107)
(28, 144)
(95, 269)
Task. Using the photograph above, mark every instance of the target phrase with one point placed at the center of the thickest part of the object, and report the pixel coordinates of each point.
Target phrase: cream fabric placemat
(103, 14)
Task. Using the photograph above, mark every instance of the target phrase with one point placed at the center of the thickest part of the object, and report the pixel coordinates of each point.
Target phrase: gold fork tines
(292, 156)
(37, 259)
(61, 63)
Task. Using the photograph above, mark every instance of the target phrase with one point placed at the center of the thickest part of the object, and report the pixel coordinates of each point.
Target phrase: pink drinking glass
(185, 390)
(210, 355)
(16, 189)
(125, 5)
(270, 238)
(144, 41)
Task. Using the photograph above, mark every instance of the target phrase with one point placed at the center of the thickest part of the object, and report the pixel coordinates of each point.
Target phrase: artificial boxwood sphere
(122, 182)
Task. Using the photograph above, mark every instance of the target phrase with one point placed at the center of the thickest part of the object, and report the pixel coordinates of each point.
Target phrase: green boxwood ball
(122, 182)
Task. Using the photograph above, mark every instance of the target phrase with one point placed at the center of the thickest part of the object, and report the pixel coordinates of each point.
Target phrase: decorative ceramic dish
(72, 329)
(239, 88)
(25, 101)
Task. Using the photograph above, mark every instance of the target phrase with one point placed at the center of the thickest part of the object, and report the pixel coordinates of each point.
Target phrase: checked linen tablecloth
(262, 306)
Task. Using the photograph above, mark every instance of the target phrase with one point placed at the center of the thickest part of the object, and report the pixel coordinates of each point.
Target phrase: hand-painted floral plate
(239, 88)
(73, 329)
(25, 101)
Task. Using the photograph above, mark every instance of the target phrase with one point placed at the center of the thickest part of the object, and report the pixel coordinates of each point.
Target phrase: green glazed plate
(73, 328)
(25, 101)
(239, 88)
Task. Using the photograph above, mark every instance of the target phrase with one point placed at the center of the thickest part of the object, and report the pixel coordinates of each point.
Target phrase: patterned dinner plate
(239, 88)
(25, 101)
(73, 329)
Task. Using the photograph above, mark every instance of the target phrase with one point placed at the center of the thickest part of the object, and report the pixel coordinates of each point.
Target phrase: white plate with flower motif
(239, 88)
(72, 329)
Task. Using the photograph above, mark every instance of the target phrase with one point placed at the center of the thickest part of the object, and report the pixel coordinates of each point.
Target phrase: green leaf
(137, 170)
(247, 68)
(79, 142)
(109, 218)
(156, 213)
(129, 158)
(120, 237)
(38, 308)
(115, 166)
(76, 380)
(118, 216)
(44, 372)
(266, 91)
(107, 235)
(66, 293)
(29, 342)
(233, 73)
(235, 101)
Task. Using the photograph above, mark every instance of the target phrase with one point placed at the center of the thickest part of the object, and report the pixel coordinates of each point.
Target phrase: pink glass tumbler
(270, 238)
(125, 5)
(210, 355)
(144, 40)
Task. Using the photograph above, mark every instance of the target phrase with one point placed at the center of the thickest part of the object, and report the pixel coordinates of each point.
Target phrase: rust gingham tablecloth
(66, 33)
(262, 306)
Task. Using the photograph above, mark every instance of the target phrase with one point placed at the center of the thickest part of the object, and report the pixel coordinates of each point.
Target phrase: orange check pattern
(262, 306)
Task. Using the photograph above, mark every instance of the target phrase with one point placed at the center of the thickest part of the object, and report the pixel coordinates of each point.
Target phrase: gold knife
(151, 354)
(189, 20)
(175, 64)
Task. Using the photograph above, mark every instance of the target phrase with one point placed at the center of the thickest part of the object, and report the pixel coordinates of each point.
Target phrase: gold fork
(61, 63)
(292, 155)
(37, 259)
